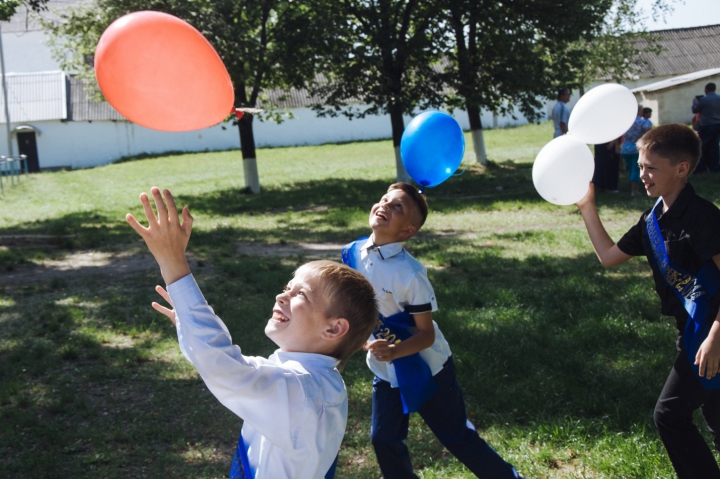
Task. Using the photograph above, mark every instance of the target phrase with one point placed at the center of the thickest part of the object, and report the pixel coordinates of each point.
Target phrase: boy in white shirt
(410, 357)
(294, 404)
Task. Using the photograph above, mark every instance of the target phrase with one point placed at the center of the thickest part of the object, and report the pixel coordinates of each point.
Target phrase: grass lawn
(560, 360)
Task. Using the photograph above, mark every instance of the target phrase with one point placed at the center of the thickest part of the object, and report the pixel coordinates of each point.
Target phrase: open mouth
(381, 215)
(279, 316)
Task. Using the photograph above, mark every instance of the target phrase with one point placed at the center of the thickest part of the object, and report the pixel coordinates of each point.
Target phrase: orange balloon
(160, 72)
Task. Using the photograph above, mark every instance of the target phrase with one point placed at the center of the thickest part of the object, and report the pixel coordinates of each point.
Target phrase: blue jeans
(445, 414)
(710, 158)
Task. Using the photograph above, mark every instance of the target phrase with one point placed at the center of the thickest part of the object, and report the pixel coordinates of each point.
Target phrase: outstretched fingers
(170, 313)
(171, 206)
(149, 212)
(187, 220)
(141, 230)
(160, 206)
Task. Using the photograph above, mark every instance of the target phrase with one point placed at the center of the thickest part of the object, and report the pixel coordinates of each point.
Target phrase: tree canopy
(263, 43)
(8, 8)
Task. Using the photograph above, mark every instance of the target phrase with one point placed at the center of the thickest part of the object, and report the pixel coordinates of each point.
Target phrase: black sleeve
(632, 242)
(705, 232)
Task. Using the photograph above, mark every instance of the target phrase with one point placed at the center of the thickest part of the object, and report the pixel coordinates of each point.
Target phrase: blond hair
(348, 295)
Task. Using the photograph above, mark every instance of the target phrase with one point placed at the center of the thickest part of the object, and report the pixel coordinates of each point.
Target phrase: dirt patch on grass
(309, 250)
(133, 259)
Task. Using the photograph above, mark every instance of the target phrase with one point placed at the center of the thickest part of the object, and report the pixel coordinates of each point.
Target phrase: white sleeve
(419, 294)
(254, 388)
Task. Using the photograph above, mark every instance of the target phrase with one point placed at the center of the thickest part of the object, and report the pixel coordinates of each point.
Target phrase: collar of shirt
(309, 360)
(680, 204)
(385, 251)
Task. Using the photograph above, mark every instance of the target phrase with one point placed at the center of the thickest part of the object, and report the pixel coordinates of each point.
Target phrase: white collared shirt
(294, 405)
(400, 282)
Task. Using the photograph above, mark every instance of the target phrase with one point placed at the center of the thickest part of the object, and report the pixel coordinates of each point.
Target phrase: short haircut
(647, 110)
(348, 295)
(418, 200)
(675, 142)
(710, 87)
(562, 91)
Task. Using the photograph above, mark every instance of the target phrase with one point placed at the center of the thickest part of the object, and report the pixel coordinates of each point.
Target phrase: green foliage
(9, 7)
(382, 55)
(613, 53)
(506, 56)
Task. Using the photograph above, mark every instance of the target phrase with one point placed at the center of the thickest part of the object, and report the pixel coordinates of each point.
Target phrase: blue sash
(240, 468)
(693, 291)
(415, 379)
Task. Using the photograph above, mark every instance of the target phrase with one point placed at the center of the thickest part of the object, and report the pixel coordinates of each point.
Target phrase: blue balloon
(432, 148)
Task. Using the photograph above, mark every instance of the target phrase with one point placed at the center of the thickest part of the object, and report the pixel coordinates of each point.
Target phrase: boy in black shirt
(680, 236)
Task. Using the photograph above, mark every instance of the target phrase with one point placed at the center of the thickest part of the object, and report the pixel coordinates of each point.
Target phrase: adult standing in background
(607, 166)
(708, 107)
(561, 113)
(630, 152)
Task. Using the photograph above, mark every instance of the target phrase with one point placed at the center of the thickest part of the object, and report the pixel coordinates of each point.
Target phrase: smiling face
(299, 322)
(660, 177)
(392, 219)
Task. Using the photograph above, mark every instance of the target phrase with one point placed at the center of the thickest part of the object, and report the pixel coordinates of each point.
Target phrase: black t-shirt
(691, 229)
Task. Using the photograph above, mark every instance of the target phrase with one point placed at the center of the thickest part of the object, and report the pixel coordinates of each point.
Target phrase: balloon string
(463, 171)
(422, 189)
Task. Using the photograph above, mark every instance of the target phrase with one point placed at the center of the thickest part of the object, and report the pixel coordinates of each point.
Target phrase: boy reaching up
(412, 362)
(294, 403)
(680, 236)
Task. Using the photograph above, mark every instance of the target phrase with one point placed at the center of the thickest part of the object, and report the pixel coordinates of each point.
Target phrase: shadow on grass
(91, 384)
(89, 387)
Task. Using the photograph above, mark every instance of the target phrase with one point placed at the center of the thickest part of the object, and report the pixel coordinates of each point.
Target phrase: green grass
(560, 360)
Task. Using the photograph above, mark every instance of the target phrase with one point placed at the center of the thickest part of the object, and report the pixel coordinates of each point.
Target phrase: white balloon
(602, 114)
(563, 170)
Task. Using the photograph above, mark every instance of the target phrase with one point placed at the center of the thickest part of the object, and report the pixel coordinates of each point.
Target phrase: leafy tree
(507, 56)
(9, 7)
(263, 43)
(614, 53)
(382, 54)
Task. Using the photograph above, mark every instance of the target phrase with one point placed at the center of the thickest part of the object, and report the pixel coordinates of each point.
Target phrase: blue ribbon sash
(693, 291)
(240, 468)
(415, 379)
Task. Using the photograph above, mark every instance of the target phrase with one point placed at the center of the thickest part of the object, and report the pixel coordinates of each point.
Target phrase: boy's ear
(683, 169)
(337, 328)
(408, 231)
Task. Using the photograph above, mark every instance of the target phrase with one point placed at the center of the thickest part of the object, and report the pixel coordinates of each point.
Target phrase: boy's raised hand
(588, 199)
(165, 235)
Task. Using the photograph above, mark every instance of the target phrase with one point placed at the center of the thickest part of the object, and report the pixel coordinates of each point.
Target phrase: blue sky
(687, 13)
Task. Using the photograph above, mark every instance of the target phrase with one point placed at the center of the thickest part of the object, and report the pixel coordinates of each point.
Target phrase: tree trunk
(247, 145)
(476, 131)
(398, 126)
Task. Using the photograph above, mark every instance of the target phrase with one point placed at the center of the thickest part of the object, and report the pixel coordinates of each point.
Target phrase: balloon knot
(422, 190)
(238, 113)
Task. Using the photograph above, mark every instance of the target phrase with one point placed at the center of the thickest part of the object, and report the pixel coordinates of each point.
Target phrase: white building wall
(87, 144)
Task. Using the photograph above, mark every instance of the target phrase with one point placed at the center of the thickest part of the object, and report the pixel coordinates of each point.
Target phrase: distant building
(671, 99)
(685, 50)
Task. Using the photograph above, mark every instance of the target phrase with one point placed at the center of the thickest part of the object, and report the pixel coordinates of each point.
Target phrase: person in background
(607, 166)
(561, 113)
(647, 113)
(708, 107)
(630, 152)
